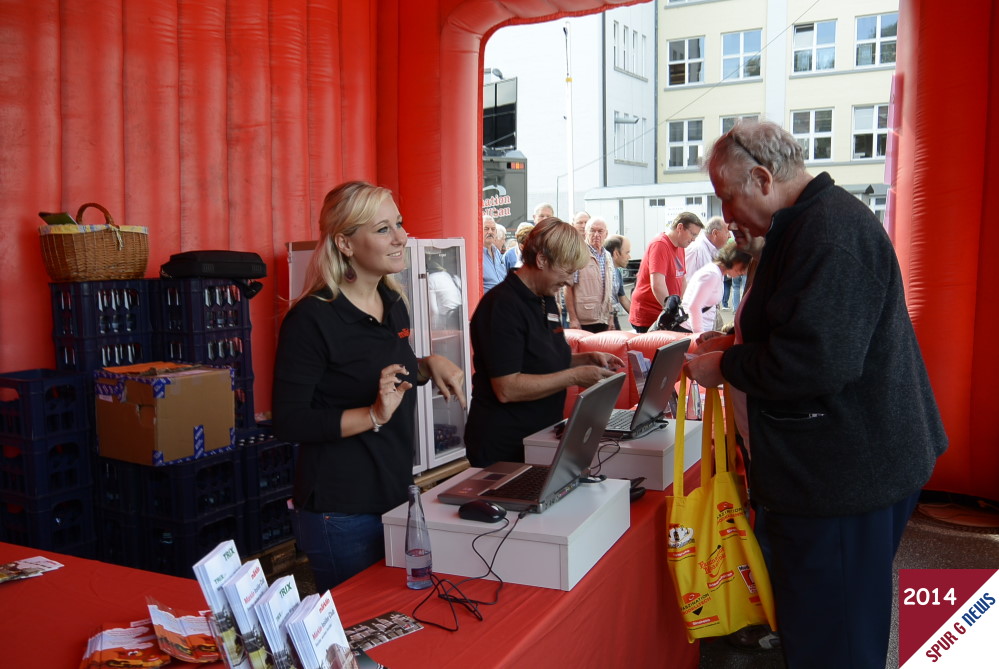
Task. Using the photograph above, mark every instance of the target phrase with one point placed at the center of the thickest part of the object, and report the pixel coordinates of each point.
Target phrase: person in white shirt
(704, 290)
(705, 247)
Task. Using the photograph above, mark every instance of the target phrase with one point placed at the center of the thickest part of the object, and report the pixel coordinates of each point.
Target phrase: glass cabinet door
(408, 280)
(442, 275)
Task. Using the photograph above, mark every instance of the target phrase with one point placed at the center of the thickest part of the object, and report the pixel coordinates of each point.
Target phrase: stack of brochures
(317, 633)
(273, 608)
(212, 571)
(257, 626)
(242, 590)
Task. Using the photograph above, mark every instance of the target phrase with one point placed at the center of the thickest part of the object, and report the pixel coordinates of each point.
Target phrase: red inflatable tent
(221, 124)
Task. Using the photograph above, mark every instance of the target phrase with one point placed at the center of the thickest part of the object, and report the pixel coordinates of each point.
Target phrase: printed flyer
(947, 618)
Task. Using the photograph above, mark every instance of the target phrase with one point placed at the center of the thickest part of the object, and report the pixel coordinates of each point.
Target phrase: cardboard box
(155, 413)
(554, 549)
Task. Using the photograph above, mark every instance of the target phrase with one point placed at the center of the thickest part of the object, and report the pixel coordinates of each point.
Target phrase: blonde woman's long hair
(345, 209)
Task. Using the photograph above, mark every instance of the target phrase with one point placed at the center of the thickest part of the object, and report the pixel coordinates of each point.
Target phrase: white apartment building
(612, 57)
(822, 69)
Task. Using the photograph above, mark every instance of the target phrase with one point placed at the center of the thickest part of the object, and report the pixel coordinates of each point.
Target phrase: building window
(813, 130)
(728, 122)
(685, 143)
(657, 202)
(686, 61)
(870, 131)
(815, 46)
(616, 45)
(693, 201)
(741, 54)
(641, 64)
(624, 48)
(629, 137)
(876, 37)
(878, 205)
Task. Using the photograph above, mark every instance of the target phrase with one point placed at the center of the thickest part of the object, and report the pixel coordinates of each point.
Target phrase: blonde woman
(341, 379)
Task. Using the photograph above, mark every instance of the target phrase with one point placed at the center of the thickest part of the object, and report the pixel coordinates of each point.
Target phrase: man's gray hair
(715, 223)
(544, 205)
(751, 143)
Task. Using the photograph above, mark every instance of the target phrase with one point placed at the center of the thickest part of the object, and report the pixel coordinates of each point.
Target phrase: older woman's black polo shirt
(513, 330)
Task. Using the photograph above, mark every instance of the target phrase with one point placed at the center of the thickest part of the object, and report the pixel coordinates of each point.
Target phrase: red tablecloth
(48, 618)
(621, 614)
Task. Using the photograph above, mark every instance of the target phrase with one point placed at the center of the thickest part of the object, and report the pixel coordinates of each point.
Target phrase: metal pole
(568, 121)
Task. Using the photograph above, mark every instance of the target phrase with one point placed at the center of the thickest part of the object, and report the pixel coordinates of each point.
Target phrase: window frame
(813, 49)
(813, 135)
(744, 57)
(878, 131)
(685, 144)
(686, 61)
(735, 119)
(879, 41)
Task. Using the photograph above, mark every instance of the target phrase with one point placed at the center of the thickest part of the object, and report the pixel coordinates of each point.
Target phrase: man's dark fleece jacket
(842, 418)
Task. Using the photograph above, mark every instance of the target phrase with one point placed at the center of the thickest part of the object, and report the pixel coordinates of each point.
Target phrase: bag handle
(718, 425)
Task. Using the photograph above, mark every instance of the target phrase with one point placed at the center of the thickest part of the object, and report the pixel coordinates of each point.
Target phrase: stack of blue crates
(57, 494)
(101, 324)
(206, 321)
(46, 461)
(166, 518)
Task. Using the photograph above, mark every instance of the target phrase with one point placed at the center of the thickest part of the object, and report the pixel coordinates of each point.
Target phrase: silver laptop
(517, 486)
(657, 395)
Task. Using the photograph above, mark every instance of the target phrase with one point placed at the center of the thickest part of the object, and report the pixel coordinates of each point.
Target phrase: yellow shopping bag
(721, 580)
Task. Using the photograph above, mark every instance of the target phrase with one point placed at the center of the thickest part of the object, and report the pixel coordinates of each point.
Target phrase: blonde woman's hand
(391, 389)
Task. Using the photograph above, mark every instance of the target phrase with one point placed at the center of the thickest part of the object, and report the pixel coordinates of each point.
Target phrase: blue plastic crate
(191, 490)
(198, 305)
(85, 354)
(172, 546)
(62, 522)
(231, 348)
(268, 465)
(100, 308)
(36, 468)
(118, 486)
(119, 538)
(243, 403)
(267, 521)
(39, 403)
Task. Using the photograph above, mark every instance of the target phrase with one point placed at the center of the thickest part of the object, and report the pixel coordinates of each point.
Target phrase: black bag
(240, 266)
(214, 264)
(672, 316)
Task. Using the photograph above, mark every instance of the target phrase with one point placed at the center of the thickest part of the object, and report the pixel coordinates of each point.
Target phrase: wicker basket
(94, 252)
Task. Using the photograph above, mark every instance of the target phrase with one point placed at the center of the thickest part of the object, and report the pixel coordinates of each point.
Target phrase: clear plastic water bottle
(419, 563)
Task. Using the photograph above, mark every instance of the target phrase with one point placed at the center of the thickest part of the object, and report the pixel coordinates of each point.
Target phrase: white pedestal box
(651, 456)
(554, 549)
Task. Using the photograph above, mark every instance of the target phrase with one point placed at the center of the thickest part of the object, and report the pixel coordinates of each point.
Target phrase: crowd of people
(833, 405)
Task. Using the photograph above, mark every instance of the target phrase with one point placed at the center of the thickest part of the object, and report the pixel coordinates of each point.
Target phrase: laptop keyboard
(527, 486)
(620, 419)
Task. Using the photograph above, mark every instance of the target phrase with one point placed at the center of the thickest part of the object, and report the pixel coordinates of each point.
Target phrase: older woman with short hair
(522, 362)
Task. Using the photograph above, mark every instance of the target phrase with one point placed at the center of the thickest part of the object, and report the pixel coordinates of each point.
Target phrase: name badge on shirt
(553, 318)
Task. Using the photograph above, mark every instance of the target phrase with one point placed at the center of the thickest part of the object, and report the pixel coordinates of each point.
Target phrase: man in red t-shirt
(663, 270)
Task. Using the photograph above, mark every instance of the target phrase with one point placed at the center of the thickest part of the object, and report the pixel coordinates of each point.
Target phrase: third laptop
(657, 394)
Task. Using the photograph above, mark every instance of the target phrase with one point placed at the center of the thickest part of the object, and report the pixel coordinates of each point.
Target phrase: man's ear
(762, 178)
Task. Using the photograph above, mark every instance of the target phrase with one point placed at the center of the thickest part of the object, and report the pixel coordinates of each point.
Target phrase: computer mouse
(481, 511)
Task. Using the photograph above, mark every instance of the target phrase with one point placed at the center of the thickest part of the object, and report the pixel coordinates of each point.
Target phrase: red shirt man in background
(663, 270)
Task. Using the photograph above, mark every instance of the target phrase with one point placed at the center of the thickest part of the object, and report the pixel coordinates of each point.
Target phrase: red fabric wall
(221, 124)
